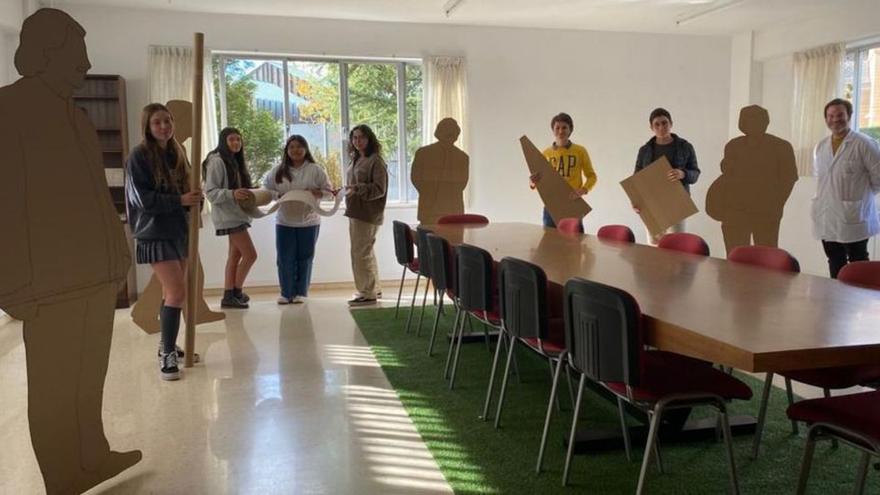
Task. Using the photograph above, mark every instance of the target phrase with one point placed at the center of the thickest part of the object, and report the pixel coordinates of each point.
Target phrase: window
(861, 86)
(269, 99)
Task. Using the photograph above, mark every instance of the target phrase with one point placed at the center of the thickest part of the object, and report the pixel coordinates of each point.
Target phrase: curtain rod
(256, 54)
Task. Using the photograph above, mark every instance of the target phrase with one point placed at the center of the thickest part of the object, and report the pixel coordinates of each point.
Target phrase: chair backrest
(422, 243)
(476, 284)
(684, 242)
(442, 263)
(861, 273)
(620, 233)
(765, 257)
(569, 225)
(603, 331)
(522, 294)
(403, 243)
(463, 218)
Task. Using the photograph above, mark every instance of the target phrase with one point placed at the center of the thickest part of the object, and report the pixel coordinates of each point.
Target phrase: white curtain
(170, 70)
(446, 95)
(816, 81)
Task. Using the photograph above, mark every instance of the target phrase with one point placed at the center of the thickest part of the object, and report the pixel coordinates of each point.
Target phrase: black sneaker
(362, 301)
(180, 353)
(232, 302)
(242, 297)
(168, 369)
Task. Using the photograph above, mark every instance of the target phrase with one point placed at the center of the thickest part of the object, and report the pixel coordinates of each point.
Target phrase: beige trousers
(363, 258)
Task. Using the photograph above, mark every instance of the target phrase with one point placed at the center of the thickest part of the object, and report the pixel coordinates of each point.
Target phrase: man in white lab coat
(847, 166)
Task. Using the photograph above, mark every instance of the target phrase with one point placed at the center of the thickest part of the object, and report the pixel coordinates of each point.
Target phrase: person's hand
(577, 193)
(317, 193)
(534, 179)
(349, 190)
(637, 209)
(675, 174)
(191, 198)
(241, 194)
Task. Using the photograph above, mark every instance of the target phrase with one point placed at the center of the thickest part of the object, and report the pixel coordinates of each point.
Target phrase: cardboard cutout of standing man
(758, 172)
(64, 254)
(440, 174)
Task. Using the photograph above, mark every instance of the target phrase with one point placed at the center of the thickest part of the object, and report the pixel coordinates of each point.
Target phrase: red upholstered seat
(857, 412)
(463, 218)
(837, 378)
(861, 273)
(554, 344)
(767, 257)
(569, 225)
(491, 316)
(664, 374)
(413, 265)
(684, 242)
(620, 233)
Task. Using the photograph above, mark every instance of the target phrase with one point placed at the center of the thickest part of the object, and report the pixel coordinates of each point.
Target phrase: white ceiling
(653, 16)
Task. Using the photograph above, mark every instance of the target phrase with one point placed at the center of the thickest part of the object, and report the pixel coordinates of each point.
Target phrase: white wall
(517, 79)
(11, 15)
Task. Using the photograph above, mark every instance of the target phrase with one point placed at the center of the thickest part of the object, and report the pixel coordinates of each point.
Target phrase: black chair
(604, 342)
(425, 271)
(530, 315)
(404, 251)
(442, 267)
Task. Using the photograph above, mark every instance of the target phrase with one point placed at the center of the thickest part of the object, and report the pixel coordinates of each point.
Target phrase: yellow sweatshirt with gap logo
(573, 164)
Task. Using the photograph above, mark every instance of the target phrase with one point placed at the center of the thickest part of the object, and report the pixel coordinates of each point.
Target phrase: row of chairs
(595, 331)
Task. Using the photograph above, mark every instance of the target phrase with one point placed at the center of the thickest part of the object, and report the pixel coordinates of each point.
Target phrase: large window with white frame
(861, 86)
(271, 98)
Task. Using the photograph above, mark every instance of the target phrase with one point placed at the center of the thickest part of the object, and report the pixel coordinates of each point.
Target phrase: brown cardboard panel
(758, 172)
(440, 174)
(62, 261)
(661, 202)
(554, 191)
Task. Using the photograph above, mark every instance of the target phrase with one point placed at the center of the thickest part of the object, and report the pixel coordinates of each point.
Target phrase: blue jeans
(548, 221)
(296, 250)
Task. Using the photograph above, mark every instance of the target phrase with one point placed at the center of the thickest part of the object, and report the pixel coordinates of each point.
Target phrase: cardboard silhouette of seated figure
(145, 313)
(440, 174)
(64, 255)
(758, 172)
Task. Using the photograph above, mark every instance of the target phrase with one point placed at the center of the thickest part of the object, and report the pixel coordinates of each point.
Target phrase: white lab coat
(844, 209)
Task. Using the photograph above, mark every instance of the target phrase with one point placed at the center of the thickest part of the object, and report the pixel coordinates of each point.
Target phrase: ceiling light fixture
(450, 6)
(711, 10)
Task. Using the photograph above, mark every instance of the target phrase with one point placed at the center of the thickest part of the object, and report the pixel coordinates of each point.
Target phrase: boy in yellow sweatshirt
(571, 161)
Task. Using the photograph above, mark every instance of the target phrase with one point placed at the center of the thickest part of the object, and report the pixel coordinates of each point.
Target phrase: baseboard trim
(272, 289)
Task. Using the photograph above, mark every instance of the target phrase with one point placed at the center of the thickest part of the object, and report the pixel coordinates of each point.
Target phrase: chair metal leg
(807, 461)
(466, 316)
(488, 401)
(486, 336)
(827, 393)
(552, 375)
(728, 443)
(624, 429)
(573, 431)
(434, 333)
(422, 314)
(412, 304)
(549, 415)
(862, 474)
(504, 382)
(570, 387)
(436, 318)
(649, 449)
(399, 293)
(790, 394)
(762, 415)
(459, 314)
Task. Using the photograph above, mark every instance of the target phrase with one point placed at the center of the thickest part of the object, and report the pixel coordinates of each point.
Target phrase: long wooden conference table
(748, 318)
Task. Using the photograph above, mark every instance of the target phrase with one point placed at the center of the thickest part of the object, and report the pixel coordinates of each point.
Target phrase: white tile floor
(288, 399)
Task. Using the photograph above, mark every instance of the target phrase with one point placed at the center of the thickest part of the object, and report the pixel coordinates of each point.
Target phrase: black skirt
(233, 230)
(154, 251)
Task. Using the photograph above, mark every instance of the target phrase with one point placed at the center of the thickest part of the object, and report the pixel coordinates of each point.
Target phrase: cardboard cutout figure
(297, 199)
(440, 174)
(145, 313)
(62, 262)
(559, 198)
(661, 202)
(758, 172)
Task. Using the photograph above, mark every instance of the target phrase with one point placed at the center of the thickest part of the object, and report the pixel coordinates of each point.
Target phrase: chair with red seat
(531, 314)
(424, 268)
(404, 251)
(442, 262)
(684, 242)
(471, 218)
(570, 226)
(853, 419)
(620, 233)
(604, 342)
(861, 274)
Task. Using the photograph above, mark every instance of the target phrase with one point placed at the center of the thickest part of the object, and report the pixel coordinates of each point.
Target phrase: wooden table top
(737, 315)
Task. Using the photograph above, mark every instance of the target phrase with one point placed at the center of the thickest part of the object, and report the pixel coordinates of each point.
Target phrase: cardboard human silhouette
(64, 259)
(662, 203)
(297, 198)
(758, 172)
(440, 174)
(558, 196)
(145, 313)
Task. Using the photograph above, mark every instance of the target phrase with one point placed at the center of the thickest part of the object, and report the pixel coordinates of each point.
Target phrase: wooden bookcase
(103, 99)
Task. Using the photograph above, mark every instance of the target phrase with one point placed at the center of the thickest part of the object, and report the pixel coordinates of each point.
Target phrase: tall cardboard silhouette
(758, 172)
(440, 174)
(558, 196)
(64, 253)
(145, 312)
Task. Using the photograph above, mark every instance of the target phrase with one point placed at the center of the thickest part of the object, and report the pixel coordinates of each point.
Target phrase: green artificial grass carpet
(476, 458)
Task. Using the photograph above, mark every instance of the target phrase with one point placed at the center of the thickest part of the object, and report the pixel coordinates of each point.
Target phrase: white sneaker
(168, 369)
(283, 300)
(298, 300)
